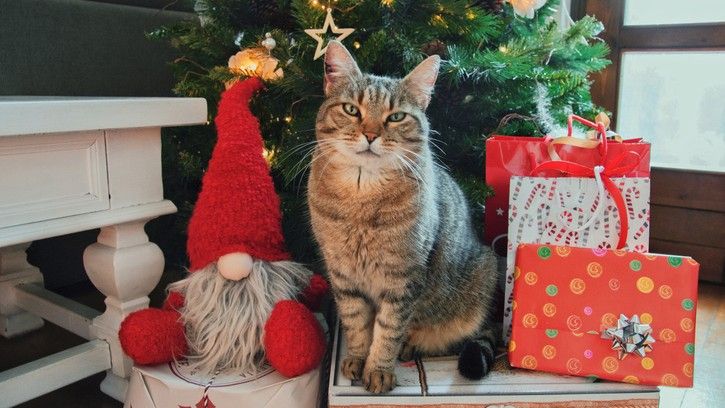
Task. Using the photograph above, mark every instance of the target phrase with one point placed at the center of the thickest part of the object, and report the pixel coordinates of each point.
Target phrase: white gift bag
(572, 211)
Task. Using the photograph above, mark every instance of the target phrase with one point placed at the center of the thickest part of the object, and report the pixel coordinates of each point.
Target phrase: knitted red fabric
(293, 340)
(153, 336)
(313, 294)
(238, 208)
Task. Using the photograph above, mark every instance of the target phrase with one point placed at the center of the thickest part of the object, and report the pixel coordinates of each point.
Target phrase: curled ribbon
(630, 336)
(618, 167)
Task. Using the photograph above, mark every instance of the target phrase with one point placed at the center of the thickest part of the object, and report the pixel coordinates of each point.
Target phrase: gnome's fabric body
(224, 324)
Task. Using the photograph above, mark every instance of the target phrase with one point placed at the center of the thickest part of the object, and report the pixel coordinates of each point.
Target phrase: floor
(709, 389)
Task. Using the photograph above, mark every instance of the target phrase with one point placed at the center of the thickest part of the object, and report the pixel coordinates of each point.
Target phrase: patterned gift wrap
(565, 298)
(556, 210)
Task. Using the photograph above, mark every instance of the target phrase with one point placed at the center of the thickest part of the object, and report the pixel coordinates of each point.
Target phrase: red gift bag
(508, 156)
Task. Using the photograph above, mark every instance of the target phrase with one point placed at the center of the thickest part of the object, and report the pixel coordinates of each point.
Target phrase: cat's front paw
(379, 381)
(352, 367)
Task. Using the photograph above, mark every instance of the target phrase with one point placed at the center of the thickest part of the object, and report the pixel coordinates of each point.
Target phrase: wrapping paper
(508, 156)
(566, 297)
(550, 210)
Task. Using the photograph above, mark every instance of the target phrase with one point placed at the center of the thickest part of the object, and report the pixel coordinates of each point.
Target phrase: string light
(503, 49)
(288, 119)
(356, 44)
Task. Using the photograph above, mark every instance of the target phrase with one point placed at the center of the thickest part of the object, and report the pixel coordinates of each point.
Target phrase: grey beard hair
(224, 319)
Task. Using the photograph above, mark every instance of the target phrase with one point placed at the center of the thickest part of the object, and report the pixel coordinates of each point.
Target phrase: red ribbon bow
(618, 167)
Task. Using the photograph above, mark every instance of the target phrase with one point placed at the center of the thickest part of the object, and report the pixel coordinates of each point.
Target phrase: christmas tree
(508, 69)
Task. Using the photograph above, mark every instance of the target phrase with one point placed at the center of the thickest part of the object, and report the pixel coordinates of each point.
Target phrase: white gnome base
(176, 385)
(224, 319)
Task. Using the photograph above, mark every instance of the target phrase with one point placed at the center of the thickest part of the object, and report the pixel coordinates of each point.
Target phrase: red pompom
(314, 292)
(153, 336)
(174, 301)
(293, 339)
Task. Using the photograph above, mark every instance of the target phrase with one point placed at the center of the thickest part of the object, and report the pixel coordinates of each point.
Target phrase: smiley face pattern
(578, 292)
(553, 210)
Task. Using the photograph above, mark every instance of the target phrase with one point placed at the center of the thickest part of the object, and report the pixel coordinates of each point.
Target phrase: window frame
(687, 206)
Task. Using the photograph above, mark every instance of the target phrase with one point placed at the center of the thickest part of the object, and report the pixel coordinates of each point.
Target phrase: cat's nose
(370, 136)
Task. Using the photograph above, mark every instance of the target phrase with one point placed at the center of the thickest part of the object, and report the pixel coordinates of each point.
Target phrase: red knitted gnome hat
(237, 209)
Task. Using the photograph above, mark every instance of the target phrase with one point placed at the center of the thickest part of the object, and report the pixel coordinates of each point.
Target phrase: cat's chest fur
(365, 230)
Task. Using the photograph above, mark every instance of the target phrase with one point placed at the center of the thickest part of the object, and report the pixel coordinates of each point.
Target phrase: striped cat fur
(408, 273)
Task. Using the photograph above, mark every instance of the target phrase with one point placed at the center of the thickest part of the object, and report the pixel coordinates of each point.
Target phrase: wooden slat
(688, 226)
(688, 189)
(70, 315)
(712, 260)
(41, 376)
(673, 36)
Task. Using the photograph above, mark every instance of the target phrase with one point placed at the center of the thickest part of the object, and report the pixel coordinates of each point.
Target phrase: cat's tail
(477, 356)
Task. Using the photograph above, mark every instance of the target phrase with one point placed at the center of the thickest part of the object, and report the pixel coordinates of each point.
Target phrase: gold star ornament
(319, 33)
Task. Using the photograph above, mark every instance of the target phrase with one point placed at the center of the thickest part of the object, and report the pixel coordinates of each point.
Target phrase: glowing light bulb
(288, 119)
(356, 44)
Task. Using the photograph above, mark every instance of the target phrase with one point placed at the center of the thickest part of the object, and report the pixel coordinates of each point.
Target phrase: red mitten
(313, 294)
(153, 336)
(293, 339)
(174, 301)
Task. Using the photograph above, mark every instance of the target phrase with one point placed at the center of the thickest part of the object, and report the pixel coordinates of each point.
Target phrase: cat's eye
(350, 109)
(396, 117)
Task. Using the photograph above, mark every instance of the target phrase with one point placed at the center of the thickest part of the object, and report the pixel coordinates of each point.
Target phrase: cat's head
(370, 121)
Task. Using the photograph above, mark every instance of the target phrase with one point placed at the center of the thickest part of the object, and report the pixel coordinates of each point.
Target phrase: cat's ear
(339, 66)
(422, 79)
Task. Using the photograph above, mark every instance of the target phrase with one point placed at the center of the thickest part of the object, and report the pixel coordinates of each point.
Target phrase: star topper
(319, 33)
(630, 336)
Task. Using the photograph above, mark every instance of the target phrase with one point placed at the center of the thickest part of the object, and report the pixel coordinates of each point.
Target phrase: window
(666, 83)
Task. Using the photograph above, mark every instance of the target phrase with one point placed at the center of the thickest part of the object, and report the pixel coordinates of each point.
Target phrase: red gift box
(565, 298)
(508, 156)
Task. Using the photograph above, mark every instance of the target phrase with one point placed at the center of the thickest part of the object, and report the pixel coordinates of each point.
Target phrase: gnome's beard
(224, 319)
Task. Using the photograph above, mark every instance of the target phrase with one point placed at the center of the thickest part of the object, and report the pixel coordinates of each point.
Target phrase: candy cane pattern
(630, 195)
(545, 209)
(643, 217)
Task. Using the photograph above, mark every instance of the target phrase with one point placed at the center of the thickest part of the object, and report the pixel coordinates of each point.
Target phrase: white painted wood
(134, 166)
(70, 315)
(125, 267)
(69, 165)
(52, 176)
(15, 270)
(38, 377)
(29, 115)
(496, 388)
(66, 225)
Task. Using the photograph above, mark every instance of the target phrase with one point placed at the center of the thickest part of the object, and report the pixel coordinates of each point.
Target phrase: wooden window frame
(687, 206)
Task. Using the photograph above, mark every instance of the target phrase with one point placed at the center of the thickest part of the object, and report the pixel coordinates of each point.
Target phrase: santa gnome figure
(237, 306)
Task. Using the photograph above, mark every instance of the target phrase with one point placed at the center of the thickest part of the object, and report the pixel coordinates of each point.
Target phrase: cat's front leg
(356, 317)
(391, 323)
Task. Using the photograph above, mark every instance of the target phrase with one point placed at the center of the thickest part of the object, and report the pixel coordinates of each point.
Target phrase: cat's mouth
(368, 153)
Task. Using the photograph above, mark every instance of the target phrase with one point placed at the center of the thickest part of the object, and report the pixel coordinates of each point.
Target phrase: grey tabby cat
(408, 273)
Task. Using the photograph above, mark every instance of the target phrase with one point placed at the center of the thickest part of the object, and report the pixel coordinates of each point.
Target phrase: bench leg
(14, 270)
(125, 267)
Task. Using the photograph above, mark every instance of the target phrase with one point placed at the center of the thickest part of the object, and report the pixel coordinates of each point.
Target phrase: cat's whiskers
(435, 159)
(414, 169)
(303, 164)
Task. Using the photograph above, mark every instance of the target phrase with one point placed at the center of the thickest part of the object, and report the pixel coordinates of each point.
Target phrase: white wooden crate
(435, 382)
